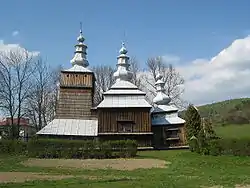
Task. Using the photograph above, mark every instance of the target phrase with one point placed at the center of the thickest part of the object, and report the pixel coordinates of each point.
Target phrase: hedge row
(55, 148)
(222, 146)
(13, 147)
(58, 148)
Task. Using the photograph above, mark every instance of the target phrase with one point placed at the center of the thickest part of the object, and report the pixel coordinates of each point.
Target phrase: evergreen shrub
(193, 123)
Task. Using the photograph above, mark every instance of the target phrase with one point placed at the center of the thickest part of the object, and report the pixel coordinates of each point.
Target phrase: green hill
(235, 111)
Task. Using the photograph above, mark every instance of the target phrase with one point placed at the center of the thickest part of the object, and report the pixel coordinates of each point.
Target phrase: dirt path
(118, 164)
(28, 176)
(20, 177)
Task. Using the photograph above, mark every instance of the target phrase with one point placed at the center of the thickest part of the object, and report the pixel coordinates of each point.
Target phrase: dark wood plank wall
(77, 80)
(160, 136)
(107, 119)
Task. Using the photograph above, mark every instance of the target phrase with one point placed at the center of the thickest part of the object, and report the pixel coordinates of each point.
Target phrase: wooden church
(123, 114)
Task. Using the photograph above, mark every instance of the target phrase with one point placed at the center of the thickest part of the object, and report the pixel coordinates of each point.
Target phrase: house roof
(7, 121)
(70, 127)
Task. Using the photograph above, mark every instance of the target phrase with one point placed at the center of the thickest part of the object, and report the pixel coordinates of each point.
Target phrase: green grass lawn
(233, 131)
(187, 170)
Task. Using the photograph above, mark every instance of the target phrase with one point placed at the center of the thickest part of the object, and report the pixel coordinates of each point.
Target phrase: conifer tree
(208, 129)
(193, 122)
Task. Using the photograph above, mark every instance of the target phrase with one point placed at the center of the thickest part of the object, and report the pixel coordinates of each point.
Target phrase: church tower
(76, 86)
(168, 128)
(124, 113)
(74, 115)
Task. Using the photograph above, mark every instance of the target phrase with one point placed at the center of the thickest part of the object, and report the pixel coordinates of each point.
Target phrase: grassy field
(233, 131)
(184, 169)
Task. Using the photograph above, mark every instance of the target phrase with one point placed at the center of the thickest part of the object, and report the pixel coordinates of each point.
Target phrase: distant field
(233, 131)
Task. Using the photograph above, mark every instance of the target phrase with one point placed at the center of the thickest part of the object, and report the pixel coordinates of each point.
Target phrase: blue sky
(189, 29)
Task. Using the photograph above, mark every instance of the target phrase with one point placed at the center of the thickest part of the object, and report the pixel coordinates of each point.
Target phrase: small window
(67, 75)
(85, 75)
(76, 75)
(125, 127)
(172, 134)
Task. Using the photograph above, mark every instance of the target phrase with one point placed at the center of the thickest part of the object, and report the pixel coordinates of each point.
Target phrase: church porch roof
(71, 127)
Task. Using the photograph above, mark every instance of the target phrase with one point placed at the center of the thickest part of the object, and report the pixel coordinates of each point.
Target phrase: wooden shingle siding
(75, 96)
(77, 80)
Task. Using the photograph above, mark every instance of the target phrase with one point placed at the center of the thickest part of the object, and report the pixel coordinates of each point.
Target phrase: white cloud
(15, 33)
(222, 77)
(15, 47)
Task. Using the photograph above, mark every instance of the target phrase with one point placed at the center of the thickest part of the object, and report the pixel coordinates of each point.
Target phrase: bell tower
(77, 86)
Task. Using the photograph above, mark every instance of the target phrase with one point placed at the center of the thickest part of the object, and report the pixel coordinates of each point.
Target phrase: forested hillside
(235, 111)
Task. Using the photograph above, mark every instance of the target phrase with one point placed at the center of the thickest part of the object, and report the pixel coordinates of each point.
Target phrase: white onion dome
(123, 72)
(161, 98)
(80, 58)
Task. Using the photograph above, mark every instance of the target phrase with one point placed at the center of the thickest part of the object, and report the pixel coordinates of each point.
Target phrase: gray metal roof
(70, 127)
(123, 84)
(124, 94)
(124, 101)
(164, 108)
(77, 68)
(167, 119)
(124, 91)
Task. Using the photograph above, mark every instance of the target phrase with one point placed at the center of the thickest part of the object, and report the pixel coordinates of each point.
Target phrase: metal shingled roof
(123, 101)
(124, 91)
(164, 108)
(123, 84)
(70, 127)
(166, 119)
(124, 94)
(77, 68)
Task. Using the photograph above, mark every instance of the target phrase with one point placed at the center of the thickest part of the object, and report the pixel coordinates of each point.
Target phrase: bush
(13, 147)
(237, 147)
(216, 146)
(203, 143)
(55, 148)
(194, 145)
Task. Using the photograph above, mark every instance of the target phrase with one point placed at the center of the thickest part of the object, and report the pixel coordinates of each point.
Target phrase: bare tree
(171, 77)
(104, 80)
(135, 69)
(41, 104)
(16, 68)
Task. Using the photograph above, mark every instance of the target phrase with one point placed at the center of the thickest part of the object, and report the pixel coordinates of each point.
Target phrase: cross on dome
(123, 49)
(80, 38)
